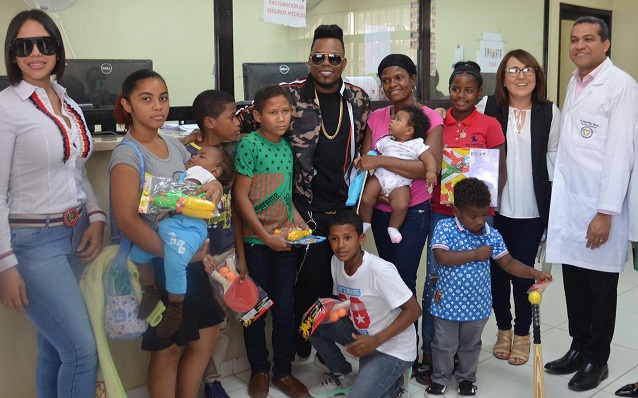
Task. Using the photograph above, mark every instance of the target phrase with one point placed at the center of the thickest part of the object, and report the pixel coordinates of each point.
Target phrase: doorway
(568, 15)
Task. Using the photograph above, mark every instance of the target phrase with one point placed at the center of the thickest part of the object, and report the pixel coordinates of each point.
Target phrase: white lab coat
(633, 193)
(593, 165)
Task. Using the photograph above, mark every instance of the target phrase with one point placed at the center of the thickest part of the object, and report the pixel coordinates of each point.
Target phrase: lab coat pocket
(590, 131)
(578, 214)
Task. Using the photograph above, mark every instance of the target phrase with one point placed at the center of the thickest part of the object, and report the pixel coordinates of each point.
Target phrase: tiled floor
(498, 379)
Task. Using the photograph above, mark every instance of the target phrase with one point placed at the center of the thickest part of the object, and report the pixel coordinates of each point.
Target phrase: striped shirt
(269, 164)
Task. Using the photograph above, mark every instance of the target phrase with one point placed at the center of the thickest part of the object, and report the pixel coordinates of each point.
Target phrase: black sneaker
(435, 390)
(402, 393)
(423, 374)
(466, 389)
(215, 390)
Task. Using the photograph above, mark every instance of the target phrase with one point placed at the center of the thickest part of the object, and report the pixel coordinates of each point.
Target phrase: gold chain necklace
(323, 128)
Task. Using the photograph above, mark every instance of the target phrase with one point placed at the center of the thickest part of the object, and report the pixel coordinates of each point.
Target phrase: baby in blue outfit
(182, 236)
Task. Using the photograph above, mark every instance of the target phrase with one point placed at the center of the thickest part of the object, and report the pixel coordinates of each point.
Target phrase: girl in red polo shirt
(464, 127)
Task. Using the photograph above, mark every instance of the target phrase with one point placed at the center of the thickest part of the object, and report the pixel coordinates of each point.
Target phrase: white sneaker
(320, 364)
(335, 384)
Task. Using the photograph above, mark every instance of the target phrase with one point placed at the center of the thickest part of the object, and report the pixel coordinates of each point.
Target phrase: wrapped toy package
(461, 163)
(323, 310)
(247, 299)
(162, 194)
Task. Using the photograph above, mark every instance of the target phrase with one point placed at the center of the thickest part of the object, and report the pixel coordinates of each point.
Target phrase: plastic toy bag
(162, 194)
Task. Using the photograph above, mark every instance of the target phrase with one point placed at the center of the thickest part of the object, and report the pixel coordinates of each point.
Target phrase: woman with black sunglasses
(50, 221)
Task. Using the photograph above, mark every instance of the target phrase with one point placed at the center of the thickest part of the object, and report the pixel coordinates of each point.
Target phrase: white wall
(520, 24)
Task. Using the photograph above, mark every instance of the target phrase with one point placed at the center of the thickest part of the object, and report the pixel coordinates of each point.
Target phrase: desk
(108, 141)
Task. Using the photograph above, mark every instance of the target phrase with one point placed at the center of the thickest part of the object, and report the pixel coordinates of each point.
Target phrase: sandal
(520, 350)
(503, 345)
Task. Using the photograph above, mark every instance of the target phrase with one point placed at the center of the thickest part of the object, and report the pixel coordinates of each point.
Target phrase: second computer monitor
(257, 74)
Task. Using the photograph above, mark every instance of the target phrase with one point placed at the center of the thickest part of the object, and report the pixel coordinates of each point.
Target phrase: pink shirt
(379, 121)
(584, 82)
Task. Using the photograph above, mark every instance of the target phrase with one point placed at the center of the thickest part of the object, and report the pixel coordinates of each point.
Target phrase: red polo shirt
(475, 131)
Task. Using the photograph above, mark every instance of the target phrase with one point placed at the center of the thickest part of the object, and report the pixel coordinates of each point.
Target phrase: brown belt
(69, 218)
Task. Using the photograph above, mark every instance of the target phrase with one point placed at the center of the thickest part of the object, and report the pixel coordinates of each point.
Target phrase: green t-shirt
(269, 164)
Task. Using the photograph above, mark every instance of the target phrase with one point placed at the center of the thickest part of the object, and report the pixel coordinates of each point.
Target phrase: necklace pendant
(462, 135)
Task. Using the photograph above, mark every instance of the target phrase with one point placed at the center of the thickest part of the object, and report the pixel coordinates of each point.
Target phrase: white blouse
(42, 159)
(518, 199)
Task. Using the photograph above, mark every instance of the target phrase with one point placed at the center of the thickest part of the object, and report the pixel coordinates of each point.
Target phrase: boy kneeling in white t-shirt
(379, 328)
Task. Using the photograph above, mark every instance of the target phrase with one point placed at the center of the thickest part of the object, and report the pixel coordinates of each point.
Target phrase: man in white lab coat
(631, 390)
(588, 218)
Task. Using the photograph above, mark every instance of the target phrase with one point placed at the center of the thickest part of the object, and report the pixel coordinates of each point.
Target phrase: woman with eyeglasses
(531, 124)
(50, 223)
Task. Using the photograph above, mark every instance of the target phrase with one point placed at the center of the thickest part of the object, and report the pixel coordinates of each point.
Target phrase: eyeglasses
(23, 47)
(317, 59)
(527, 71)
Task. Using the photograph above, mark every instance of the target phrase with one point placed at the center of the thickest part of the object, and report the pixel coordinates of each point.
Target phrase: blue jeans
(405, 255)
(427, 323)
(275, 272)
(522, 237)
(67, 355)
(380, 375)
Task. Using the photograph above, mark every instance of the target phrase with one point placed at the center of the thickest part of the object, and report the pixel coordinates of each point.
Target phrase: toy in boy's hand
(539, 286)
(323, 310)
(191, 206)
(299, 236)
(240, 295)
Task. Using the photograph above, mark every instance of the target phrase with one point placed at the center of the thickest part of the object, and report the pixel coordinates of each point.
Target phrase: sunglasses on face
(317, 59)
(23, 47)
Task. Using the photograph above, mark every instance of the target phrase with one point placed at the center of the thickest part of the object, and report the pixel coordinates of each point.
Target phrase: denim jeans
(67, 355)
(274, 272)
(427, 323)
(380, 375)
(521, 236)
(405, 255)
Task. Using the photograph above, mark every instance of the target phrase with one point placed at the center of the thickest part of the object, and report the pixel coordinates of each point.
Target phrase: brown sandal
(520, 350)
(503, 345)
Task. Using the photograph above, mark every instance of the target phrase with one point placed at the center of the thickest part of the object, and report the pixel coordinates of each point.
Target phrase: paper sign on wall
(490, 53)
(285, 12)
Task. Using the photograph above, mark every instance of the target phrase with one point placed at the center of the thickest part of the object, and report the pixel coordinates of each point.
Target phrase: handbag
(634, 253)
(120, 299)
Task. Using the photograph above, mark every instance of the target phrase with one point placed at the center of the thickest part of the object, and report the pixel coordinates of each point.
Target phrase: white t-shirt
(376, 291)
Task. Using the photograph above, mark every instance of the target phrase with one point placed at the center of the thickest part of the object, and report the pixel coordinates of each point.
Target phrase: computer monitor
(257, 74)
(96, 83)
